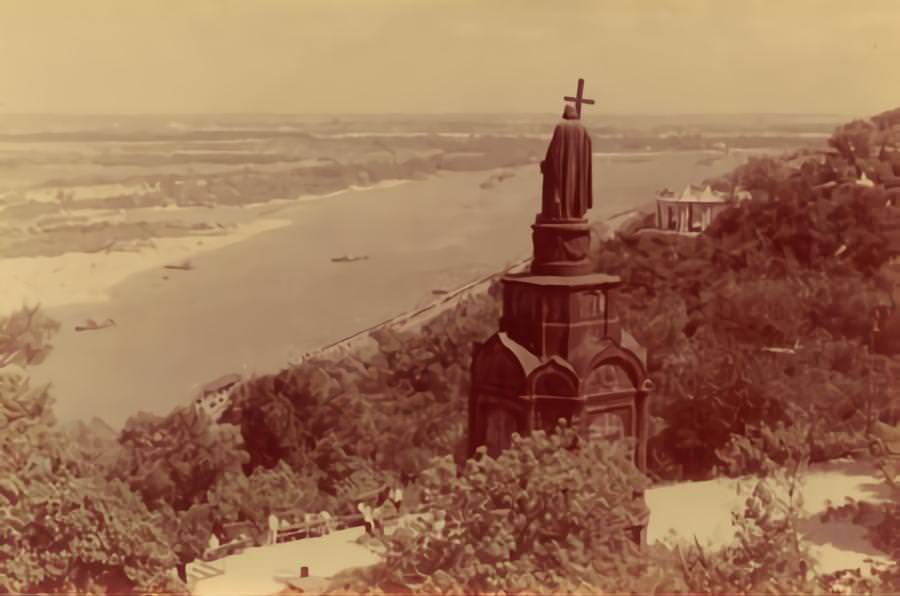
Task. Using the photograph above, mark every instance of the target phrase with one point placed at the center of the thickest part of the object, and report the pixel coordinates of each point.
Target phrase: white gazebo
(691, 212)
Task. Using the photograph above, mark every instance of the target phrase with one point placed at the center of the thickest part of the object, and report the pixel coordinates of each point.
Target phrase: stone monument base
(561, 247)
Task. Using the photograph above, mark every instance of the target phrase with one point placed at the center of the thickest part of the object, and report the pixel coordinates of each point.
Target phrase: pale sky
(401, 56)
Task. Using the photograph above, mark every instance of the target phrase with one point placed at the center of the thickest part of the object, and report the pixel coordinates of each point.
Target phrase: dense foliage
(547, 516)
(779, 313)
(385, 415)
(174, 460)
(551, 514)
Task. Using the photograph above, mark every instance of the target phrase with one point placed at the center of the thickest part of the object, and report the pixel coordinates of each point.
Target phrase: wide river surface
(251, 306)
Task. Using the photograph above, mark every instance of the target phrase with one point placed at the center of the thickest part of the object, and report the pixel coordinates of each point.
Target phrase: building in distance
(692, 211)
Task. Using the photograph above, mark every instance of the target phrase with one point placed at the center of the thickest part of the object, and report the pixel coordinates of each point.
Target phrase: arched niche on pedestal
(554, 390)
(495, 367)
(498, 381)
(615, 400)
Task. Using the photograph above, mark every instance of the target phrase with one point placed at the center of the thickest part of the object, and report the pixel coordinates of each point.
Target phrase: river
(250, 307)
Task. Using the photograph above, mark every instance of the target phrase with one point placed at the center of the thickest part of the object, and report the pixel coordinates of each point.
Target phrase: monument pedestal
(561, 247)
(558, 353)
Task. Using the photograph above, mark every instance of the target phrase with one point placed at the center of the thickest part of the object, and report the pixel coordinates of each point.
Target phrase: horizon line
(435, 113)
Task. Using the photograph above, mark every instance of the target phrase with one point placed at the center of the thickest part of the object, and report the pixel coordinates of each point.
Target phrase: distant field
(68, 151)
(86, 170)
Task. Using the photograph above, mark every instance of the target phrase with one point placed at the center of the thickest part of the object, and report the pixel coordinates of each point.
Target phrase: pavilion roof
(223, 382)
(694, 194)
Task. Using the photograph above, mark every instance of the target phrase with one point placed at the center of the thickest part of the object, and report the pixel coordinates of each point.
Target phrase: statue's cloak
(567, 190)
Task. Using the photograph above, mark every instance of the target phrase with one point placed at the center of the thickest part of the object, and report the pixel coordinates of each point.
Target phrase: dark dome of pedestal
(589, 280)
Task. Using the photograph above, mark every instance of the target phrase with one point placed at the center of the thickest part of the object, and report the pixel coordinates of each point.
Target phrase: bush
(66, 534)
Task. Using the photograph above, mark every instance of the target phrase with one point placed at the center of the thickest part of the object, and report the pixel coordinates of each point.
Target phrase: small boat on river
(349, 258)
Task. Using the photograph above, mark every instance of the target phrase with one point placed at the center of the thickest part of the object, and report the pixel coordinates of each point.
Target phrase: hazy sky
(651, 56)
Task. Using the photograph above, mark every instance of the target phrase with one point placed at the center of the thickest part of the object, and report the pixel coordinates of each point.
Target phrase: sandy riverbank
(78, 277)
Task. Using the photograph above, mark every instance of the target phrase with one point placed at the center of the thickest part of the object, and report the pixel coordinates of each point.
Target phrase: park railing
(314, 527)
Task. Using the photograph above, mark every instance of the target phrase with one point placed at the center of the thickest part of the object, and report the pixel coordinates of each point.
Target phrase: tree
(408, 402)
(175, 459)
(64, 534)
(853, 140)
(763, 174)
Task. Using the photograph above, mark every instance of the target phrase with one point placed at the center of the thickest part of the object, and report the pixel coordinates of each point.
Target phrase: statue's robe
(567, 191)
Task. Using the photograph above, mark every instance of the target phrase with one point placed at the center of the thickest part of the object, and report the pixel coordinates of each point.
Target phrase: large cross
(579, 98)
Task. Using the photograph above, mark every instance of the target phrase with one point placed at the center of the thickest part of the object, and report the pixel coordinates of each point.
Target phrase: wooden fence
(317, 527)
(289, 533)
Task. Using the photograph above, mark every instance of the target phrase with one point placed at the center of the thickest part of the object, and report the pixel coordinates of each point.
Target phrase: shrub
(66, 534)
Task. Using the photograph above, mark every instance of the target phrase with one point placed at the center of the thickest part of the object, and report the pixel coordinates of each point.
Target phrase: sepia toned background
(402, 56)
(247, 249)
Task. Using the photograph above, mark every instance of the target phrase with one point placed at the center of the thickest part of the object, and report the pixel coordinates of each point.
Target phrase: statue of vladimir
(567, 187)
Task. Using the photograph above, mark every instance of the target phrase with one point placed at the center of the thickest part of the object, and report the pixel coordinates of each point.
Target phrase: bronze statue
(566, 169)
